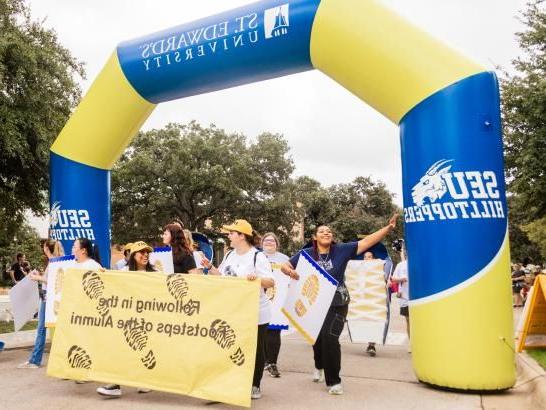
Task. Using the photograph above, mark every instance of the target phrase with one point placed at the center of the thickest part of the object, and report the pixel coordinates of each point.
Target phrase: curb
(531, 380)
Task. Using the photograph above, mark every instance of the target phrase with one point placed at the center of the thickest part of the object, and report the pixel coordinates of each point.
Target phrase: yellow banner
(186, 334)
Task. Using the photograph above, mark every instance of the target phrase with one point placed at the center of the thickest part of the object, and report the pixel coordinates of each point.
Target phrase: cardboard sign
(56, 269)
(533, 334)
(368, 310)
(309, 298)
(24, 300)
(162, 259)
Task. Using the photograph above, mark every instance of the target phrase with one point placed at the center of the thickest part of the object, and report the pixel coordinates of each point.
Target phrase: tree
(362, 207)
(524, 117)
(192, 173)
(37, 92)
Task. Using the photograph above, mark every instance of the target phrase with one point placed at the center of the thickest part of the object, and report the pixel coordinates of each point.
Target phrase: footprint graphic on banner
(78, 358)
(177, 286)
(309, 293)
(93, 286)
(137, 339)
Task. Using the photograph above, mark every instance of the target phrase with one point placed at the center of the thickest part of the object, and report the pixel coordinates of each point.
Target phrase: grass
(539, 356)
(7, 327)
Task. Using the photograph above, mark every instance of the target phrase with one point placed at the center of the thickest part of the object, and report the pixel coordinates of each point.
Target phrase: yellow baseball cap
(140, 246)
(240, 225)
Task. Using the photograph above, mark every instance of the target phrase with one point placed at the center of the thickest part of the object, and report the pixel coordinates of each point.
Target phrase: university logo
(276, 21)
(443, 193)
(69, 224)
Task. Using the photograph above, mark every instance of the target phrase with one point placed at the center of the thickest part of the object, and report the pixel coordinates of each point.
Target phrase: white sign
(368, 315)
(25, 301)
(309, 298)
(56, 270)
(162, 259)
(277, 295)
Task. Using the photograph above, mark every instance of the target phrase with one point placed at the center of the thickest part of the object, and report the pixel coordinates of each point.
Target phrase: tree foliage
(37, 92)
(524, 116)
(191, 173)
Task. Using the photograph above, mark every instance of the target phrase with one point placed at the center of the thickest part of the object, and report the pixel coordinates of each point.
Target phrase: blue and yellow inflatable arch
(448, 111)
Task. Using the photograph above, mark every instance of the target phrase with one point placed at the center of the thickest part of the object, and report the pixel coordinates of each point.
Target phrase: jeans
(327, 351)
(39, 343)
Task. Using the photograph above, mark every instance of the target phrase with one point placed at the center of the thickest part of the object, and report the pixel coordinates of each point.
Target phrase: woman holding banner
(246, 261)
(270, 245)
(51, 249)
(333, 258)
(139, 261)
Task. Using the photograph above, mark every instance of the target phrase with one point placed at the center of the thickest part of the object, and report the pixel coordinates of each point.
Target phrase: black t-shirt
(18, 272)
(183, 263)
(519, 275)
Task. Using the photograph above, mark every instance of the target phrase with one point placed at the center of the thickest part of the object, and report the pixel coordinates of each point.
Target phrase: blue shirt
(334, 262)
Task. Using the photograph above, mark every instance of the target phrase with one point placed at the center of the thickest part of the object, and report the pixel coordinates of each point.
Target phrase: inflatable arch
(452, 165)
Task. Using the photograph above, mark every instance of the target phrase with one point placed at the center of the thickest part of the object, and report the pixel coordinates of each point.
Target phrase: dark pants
(326, 349)
(273, 345)
(260, 355)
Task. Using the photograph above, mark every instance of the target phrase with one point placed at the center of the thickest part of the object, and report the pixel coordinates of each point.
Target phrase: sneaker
(336, 389)
(318, 375)
(110, 390)
(143, 390)
(273, 371)
(28, 365)
(256, 393)
(266, 367)
(371, 350)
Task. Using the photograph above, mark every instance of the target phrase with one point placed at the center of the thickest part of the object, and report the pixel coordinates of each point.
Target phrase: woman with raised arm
(333, 258)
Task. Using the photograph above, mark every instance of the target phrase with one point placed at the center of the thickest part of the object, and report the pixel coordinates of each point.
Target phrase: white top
(401, 272)
(119, 265)
(243, 265)
(88, 264)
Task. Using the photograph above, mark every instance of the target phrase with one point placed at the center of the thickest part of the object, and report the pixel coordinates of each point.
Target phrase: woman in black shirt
(173, 236)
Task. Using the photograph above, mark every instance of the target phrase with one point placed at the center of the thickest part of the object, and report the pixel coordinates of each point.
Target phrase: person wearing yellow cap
(246, 261)
(139, 260)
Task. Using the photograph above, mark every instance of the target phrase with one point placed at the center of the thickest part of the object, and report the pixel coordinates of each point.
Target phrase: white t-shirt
(401, 272)
(119, 265)
(90, 264)
(243, 265)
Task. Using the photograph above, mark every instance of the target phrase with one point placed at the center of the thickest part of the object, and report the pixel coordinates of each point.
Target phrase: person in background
(197, 255)
(518, 283)
(333, 258)
(368, 256)
(17, 273)
(270, 245)
(248, 262)
(139, 261)
(401, 277)
(122, 263)
(173, 236)
(51, 249)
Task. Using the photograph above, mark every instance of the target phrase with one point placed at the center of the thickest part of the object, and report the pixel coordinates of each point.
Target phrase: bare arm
(377, 236)
(289, 270)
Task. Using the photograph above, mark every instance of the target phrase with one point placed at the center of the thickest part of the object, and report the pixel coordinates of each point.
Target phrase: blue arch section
(465, 117)
(80, 204)
(253, 43)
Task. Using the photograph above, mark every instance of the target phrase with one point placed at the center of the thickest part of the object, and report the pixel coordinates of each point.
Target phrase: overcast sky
(334, 137)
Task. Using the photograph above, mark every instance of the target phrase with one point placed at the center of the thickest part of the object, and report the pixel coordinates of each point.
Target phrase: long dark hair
(91, 248)
(178, 241)
(133, 265)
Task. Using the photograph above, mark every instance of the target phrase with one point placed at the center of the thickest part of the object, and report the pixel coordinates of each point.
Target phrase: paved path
(384, 382)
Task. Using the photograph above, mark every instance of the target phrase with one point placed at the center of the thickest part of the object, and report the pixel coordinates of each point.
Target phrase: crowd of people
(254, 260)
(523, 277)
